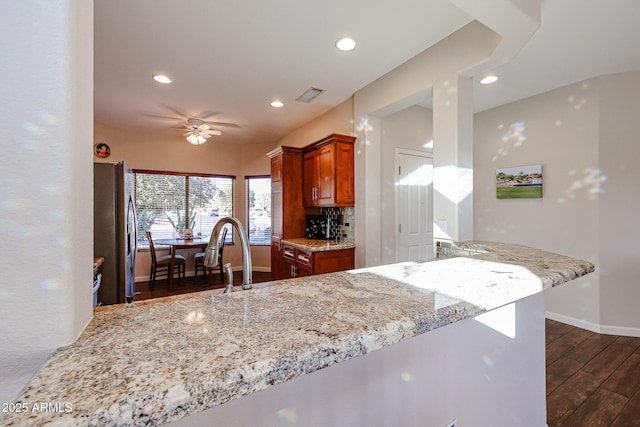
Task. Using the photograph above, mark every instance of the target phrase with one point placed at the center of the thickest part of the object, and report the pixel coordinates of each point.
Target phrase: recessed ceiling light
(345, 44)
(162, 79)
(277, 104)
(487, 80)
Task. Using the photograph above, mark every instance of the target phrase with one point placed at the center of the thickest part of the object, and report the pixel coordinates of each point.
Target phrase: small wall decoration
(102, 150)
(520, 182)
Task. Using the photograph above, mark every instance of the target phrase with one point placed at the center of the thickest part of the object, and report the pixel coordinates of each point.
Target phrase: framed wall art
(519, 182)
(101, 150)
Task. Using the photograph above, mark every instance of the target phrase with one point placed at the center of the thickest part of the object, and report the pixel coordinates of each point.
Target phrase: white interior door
(414, 206)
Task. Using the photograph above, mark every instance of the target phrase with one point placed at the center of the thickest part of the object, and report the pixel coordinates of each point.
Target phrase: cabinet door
(325, 175)
(289, 269)
(277, 267)
(309, 179)
(303, 270)
(332, 261)
(277, 213)
(345, 192)
(276, 169)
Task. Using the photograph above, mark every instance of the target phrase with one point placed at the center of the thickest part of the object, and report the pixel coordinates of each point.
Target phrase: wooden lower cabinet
(277, 266)
(299, 263)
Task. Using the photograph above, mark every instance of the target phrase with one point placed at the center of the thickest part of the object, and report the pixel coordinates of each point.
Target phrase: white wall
(47, 224)
(439, 67)
(619, 229)
(412, 129)
(585, 137)
(337, 120)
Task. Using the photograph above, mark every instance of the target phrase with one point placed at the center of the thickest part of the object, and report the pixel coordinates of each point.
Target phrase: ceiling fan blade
(158, 116)
(207, 114)
(175, 110)
(231, 125)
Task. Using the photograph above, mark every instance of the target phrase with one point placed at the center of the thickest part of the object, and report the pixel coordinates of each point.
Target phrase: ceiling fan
(198, 131)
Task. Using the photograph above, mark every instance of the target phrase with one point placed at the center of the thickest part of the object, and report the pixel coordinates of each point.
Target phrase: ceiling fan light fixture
(199, 131)
(196, 139)
(161, 78)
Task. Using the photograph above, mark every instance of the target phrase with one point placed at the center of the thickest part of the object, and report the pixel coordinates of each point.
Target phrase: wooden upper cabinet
(309, 179)
(287, 213)
(276, 169)
(328, 178)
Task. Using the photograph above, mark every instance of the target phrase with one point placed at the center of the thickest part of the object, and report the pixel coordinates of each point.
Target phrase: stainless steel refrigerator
(115, 230)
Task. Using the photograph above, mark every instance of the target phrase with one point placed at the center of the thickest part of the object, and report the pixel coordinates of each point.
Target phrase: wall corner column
(453, 158)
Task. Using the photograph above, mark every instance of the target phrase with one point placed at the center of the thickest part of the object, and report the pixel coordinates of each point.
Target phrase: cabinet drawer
(304, 257)
(288, 252)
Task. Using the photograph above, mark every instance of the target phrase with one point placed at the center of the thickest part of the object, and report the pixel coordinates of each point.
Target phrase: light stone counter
(164, 360)
(313, 245)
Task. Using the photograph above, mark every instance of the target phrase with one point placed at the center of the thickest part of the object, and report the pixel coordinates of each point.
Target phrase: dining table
(180, 243)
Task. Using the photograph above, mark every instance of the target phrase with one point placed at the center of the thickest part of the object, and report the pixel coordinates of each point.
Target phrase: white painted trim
(418, 153)
(620, 330)
(578, 323)
(594, 327)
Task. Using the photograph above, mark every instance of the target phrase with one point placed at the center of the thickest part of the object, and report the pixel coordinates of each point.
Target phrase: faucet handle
(229, 274)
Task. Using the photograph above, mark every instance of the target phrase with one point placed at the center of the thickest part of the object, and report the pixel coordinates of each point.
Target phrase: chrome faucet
(211, 255)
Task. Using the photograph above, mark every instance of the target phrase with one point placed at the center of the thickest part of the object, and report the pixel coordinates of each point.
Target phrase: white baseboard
(594, 327)
(620, 330)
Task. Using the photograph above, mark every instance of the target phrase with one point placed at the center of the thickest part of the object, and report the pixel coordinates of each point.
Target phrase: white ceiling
(229, 59)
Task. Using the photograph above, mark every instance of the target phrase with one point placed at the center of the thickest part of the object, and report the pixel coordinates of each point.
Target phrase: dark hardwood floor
(592, 379)
(192, 284)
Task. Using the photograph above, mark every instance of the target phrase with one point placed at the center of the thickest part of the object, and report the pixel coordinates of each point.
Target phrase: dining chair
(199, 258)
(162, 264)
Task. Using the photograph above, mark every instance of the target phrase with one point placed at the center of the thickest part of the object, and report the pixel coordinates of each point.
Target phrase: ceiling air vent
(310, 95)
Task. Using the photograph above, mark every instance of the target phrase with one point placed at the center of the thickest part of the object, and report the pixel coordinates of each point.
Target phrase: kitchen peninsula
(330, 349)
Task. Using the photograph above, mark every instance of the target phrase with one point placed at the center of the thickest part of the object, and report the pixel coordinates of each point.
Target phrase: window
(259, 209)
(169, 202)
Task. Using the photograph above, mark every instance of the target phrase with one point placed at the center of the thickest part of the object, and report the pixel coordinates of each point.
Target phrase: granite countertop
(313, 245)
(163, 360)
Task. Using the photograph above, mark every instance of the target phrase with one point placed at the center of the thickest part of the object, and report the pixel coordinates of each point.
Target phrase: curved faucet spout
(211, 255)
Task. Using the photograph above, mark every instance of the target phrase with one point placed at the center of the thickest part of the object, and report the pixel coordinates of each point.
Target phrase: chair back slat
(152, 248)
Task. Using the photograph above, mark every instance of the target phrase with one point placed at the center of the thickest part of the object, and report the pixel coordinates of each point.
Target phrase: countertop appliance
(115, 235)
(321, 227)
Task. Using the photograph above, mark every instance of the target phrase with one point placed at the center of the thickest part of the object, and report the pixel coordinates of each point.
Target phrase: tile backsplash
(346, 222)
